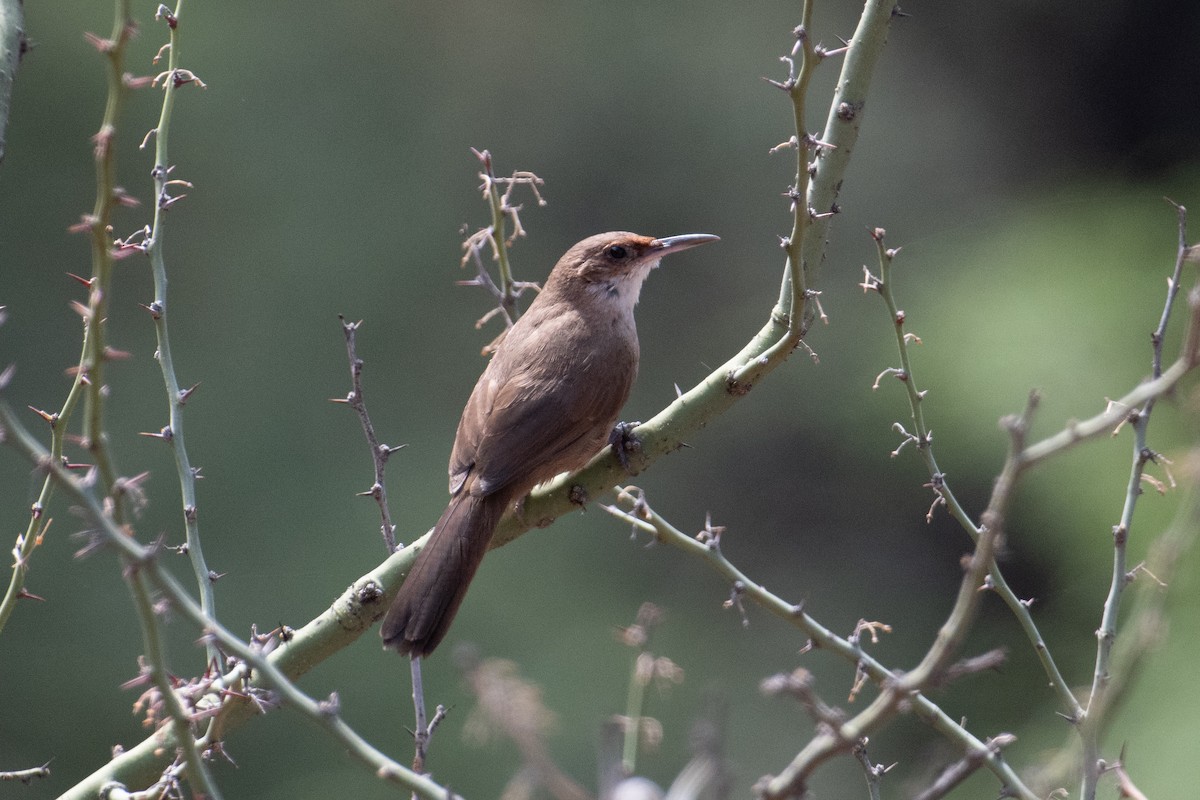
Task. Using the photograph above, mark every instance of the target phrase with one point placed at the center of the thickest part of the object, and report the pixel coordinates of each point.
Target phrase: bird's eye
(617, 252)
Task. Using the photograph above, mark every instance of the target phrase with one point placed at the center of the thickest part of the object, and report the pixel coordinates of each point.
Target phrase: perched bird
(546, 403)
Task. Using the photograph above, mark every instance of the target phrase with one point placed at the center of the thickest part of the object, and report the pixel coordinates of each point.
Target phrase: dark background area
(1018, 153)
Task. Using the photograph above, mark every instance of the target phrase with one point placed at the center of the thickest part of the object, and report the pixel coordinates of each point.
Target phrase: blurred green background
(1018, 154)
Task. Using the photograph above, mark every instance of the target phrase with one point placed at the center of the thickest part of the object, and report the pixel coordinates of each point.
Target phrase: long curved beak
(673, 244)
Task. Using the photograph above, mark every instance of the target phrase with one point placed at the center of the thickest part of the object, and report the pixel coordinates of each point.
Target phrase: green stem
(357, 608)
(12, 47)
(922, 440)
(634, 703)
(901, 690)
(160, 311)
(89, 373)
(91, 364)
(793, 314)
(180, 720)
(1093, 720)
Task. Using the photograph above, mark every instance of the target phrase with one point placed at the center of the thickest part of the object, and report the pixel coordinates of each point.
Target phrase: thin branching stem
(872, 772)
(159, 309)
(88, 380)
(897, 694)
(499, 235)
(640, 674)
(922, 439)
(380, 452)
(143, 561)
(1091, 725)
(894, 685)
(797, 89)
(92, 360)
(26, 776)
(155, 654)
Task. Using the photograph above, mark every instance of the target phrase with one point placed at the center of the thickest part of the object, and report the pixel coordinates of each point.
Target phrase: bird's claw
(624, 442)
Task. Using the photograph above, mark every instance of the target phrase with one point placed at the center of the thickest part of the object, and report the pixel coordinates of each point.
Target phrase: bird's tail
(435, 587)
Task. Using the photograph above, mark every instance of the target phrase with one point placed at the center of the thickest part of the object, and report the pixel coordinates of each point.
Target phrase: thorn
(88, 282)
(824, 52)
(50, 418)
(137, 82)
(102, 45)
(124, 198)
(86, 221)
(166, 434)
(812, 141)
(186, 393)
(165, 201)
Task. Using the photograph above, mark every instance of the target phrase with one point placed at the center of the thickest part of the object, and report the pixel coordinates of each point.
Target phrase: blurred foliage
(332, 175)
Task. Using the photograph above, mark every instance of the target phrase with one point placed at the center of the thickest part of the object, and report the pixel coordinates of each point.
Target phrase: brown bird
(546, 403)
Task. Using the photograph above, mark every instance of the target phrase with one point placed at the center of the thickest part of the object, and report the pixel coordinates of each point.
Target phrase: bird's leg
(624, 442)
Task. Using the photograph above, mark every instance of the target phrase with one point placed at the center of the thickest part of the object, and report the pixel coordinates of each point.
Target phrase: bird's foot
(624, 442)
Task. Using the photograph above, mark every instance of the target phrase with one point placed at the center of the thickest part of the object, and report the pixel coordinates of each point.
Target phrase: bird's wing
(534, 424)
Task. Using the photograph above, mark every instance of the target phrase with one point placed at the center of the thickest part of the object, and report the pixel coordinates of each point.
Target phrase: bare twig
(155, 655)
(88, 374)
(895, 686)
(495, 237)
(922, 440)
(872, 772)
(27, 775)
(1092, 723)
(511, 706)
(153, 245)
(960, 770)
(380, 452)
(637, 636)
(143, 561)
